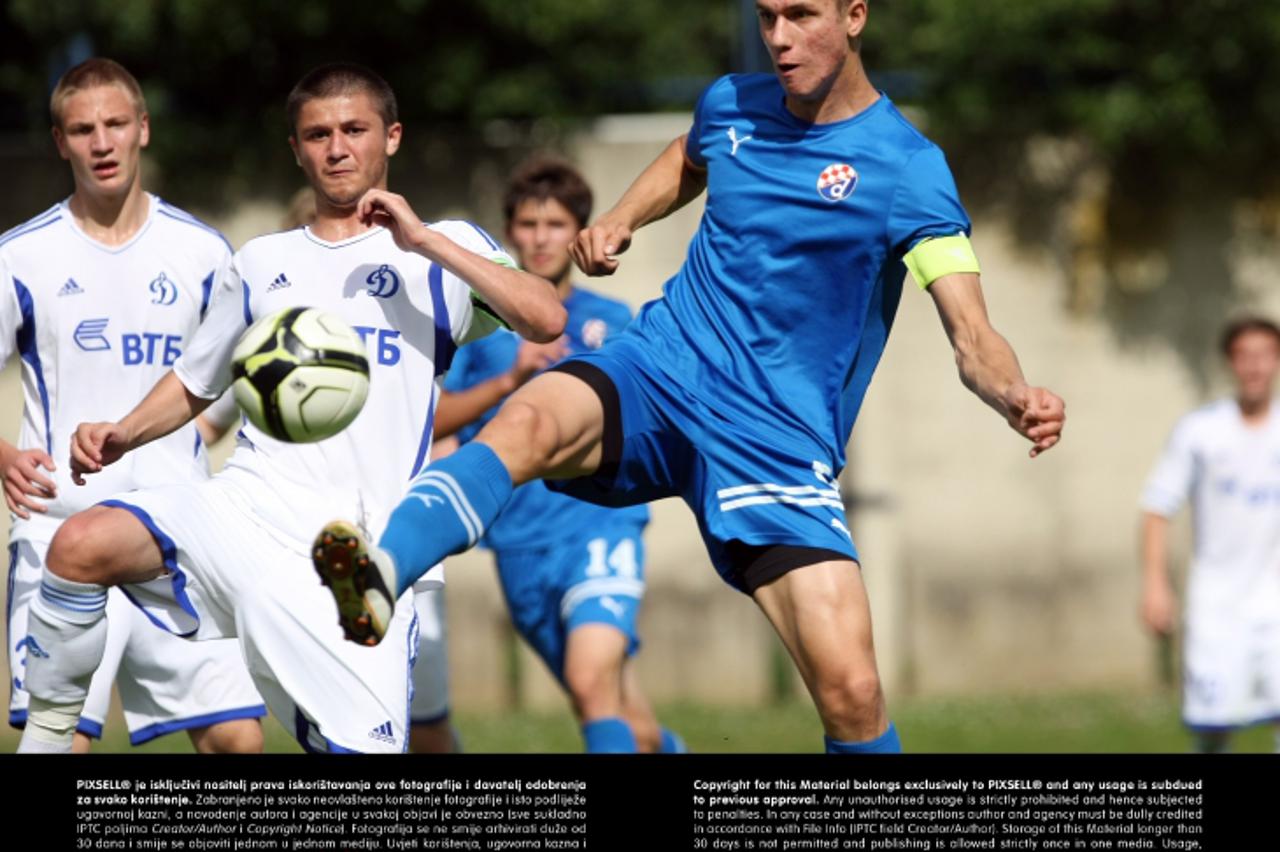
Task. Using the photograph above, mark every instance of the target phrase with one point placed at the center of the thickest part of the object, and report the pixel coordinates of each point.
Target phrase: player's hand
(23, 482)
(94, 446)
(1037, 414)
(1159, 608)
(533, 358)
(391, 211)
(596, 248)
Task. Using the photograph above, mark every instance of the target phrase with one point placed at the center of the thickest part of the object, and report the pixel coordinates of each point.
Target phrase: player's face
(541, 232)
(102, 135)
(809, 41)
(343, 147)
(1255, 361)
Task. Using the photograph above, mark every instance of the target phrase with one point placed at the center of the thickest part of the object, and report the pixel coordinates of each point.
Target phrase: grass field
(1064, 723)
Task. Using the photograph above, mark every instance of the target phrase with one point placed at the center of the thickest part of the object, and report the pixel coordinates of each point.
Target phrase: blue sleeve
(693, 144)
(926, 202)
(459, 376)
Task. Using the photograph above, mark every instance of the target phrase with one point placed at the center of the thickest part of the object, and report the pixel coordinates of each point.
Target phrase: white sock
(67, 634)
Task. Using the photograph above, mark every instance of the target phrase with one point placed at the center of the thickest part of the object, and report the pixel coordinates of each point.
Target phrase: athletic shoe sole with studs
(360, 586)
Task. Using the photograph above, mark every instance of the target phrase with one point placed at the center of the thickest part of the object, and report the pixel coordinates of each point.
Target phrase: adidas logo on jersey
(280, 283)
(71, 288)
(383, 733)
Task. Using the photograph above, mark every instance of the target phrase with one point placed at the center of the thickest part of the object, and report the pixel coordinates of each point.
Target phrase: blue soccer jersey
(780, 313)
(535, 517)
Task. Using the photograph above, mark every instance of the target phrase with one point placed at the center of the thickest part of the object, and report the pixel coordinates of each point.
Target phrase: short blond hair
(88, 74)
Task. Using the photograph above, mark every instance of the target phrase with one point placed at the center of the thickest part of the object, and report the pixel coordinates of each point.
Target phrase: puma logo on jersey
(613, 606)
(71, 288)
(281, 281)
(737, 141)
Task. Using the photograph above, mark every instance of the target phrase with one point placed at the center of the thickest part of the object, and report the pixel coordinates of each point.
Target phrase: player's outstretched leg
(822, 616)
(550, 427)
(95, 549)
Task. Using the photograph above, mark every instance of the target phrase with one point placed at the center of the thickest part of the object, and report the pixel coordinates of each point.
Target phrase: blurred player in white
(230, 556)
(98, 296)
(1226, 458)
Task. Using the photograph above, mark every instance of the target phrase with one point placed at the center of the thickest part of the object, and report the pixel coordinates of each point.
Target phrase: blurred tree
(216, 72)
(1127, 136)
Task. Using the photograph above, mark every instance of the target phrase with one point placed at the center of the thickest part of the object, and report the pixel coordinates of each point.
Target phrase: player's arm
(1159, 603)
(988, 365)
(669, 183)
(167, 407)
(526, 303)
(1165, 492)
(19, 469)
(462, 407)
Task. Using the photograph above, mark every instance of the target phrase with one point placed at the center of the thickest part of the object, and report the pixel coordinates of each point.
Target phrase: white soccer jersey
(412, 315)
(1232, 474)
(96, 326)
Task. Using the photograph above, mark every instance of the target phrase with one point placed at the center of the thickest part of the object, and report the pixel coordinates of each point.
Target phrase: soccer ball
(300, 374)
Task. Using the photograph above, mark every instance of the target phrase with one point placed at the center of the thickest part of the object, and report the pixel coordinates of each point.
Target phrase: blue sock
(609, 735)
(447, 509)
(886, 743)
(671, 743)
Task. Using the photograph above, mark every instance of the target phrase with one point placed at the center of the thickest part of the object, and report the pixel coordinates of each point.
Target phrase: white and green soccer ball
(300, 374)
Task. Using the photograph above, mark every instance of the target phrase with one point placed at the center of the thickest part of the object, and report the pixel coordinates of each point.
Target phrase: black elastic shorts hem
(611, 435)
(754, 565)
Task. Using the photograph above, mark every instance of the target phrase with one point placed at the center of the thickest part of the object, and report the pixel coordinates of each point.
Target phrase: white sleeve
(205, 366)
(1170, 483)
(469, 317)
(10, 314)
(224, 413)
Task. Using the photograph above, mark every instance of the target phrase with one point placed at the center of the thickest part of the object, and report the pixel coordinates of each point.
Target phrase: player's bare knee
(594, 692)
(78, 552)
(528, 434)
(851, 698)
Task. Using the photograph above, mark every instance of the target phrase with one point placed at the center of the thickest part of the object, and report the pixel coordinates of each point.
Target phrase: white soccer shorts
(232, 576)
(1231, 672)
(166, 684)
(431, 671)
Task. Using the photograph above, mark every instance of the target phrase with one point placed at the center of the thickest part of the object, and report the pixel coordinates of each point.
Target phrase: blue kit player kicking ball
(572, 573)
(737, 390)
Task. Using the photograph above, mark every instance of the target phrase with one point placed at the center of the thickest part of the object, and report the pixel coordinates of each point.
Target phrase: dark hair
(340, 78)
(1244, 325)
(88, 74)
(541, 178)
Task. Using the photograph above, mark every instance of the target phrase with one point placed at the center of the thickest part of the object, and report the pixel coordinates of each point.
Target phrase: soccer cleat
(360, 582)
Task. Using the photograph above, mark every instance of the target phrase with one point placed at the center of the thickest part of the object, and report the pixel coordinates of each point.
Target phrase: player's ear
(144, 129)
(293, 146)
(394, 132)
(855, 19)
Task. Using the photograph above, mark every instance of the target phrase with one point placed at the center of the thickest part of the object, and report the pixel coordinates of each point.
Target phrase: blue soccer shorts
(766, 503)
(593, 577)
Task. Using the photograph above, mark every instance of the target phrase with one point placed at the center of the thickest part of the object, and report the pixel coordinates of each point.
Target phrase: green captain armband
(934, 257)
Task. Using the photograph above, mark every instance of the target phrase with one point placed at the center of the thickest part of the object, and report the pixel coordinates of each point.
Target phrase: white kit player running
(231, 556)
(1225, 456)
(98, 296)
